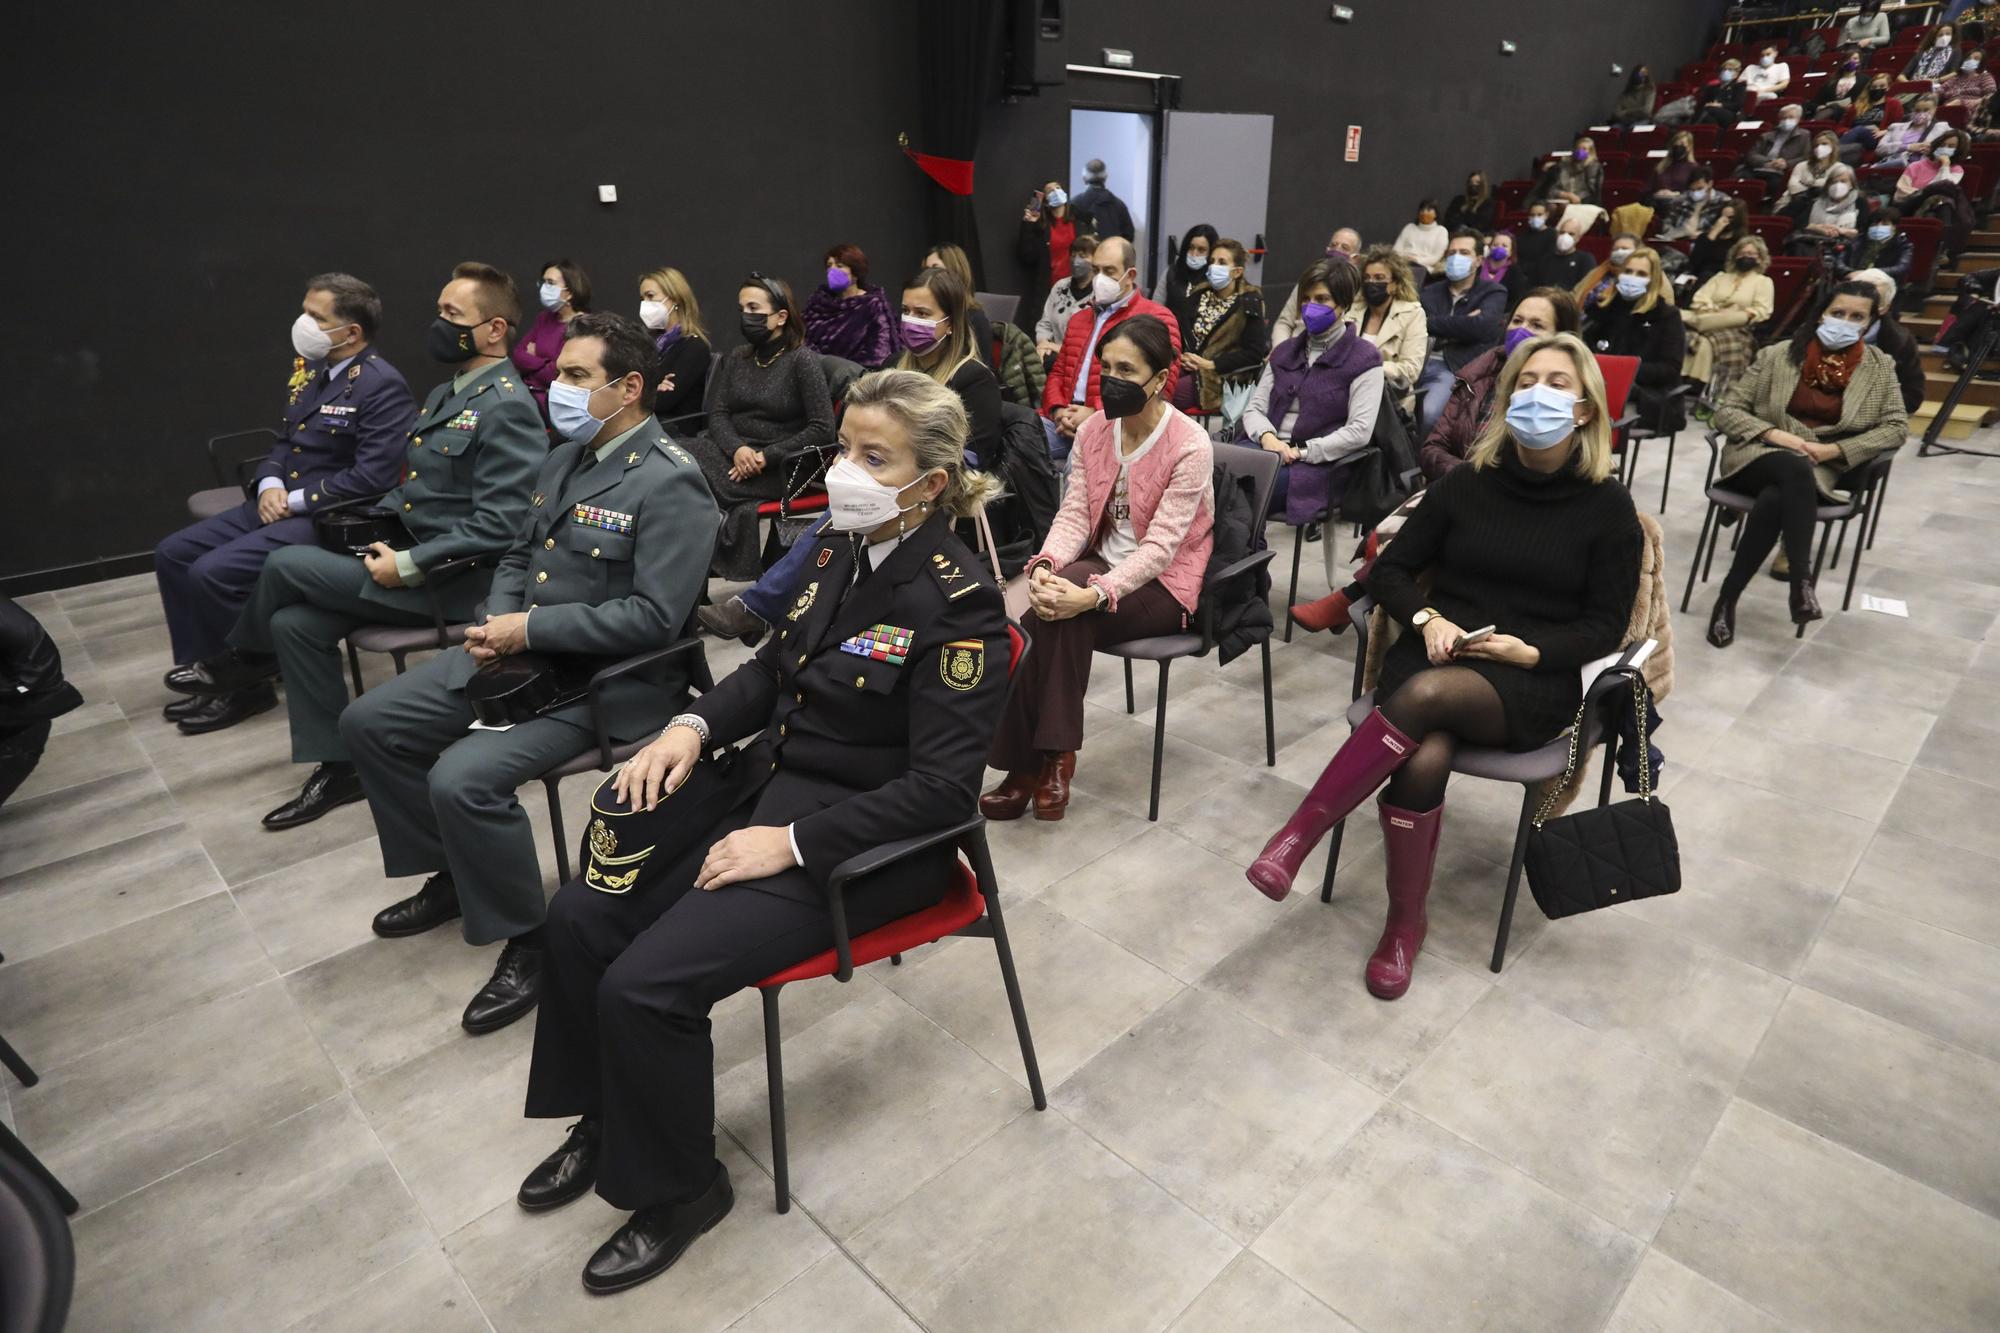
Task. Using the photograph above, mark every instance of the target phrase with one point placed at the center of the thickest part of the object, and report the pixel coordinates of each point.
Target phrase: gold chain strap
(1639, 693)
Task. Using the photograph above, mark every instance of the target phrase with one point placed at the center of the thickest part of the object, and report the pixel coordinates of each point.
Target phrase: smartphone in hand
(1472, 636)
(1035, 202)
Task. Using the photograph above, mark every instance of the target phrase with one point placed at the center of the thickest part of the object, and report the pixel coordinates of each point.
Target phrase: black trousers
(1787, 504)
(20, 751)
(623, 1028)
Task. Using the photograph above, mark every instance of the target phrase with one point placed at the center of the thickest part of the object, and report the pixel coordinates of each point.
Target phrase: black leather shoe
(330, 786)
(183, 707)
(216, 712)
(567, 1173)
(1722, 622)
(1805, 602)
(432, 905)
(515, 986)
(732, 620)
(225, 673)
(647, 1245)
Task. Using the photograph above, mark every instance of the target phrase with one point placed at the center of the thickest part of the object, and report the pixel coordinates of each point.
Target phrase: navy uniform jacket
(862, 749)
(471, 467)
(344, 435)
(611, 561)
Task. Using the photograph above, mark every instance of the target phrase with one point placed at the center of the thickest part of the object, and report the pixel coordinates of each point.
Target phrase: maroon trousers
(1045, 710)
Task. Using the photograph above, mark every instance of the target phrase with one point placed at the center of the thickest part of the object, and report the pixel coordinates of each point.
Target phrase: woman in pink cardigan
(1124, 560)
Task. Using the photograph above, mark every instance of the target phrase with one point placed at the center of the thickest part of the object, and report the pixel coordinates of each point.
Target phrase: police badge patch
(804, 604)
(607, 871)
(962, 663)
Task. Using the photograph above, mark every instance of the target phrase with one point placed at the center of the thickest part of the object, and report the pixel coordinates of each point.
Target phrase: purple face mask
(919, 335)
(1318, 317)
(1583, 155)
(837, 279)
(1497, 254)
(1515, 337)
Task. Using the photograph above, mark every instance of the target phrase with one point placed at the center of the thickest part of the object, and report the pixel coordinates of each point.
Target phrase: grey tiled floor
(1767, 1103)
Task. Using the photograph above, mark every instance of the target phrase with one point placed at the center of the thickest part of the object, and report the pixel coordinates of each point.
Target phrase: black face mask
(1121, 398)
(756, 329)
(1745, 263)
(451, 342)
(1677, 152)
(1376, 292)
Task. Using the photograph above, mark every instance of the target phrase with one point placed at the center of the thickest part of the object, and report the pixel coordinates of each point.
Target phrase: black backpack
(1237, 609)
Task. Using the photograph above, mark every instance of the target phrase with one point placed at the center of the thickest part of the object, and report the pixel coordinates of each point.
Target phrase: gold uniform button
(774, 765)
(295, 476)
(302, 425)
(781, 728)
(297, 450)
(860, 681)
(416, 439)
(315, 497)
(798, 698)
(549, 545)
(802, 659)
(542, 577)
(444, 448)
(593, 553)
(406, 507)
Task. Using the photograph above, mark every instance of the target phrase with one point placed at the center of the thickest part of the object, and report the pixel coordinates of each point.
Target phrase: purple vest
(1320, 390)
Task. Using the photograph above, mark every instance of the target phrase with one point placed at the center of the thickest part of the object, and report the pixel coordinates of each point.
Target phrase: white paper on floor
(1888, 606)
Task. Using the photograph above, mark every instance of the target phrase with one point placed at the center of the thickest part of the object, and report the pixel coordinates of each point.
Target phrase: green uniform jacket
(1872, 418)
(610, 561)
(473, 456)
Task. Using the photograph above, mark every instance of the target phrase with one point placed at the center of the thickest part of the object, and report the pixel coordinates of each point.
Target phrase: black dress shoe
(647, 1245)
(215, 712)
(183, 707)
(1722, 622)
(512, 991)
(225, 673)
(567, 1173)
(1805, 602)
(732, 620)
(330, 786)
(432, 905)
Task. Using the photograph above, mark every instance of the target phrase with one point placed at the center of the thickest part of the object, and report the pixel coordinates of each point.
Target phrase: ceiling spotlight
(1507, 48)
(1343, 14)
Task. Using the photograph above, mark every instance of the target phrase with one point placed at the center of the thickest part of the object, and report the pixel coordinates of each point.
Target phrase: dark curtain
(958, 45)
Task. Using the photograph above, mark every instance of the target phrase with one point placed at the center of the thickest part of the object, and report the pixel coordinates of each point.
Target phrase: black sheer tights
(1441, 708)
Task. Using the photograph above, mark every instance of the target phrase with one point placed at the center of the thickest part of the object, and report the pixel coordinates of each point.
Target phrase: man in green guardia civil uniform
(607, 564)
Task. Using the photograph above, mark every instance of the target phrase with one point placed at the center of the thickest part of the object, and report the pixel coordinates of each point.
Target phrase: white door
(1217, 169)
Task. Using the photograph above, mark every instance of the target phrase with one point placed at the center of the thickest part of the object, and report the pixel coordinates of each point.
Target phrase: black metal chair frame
(1865, 485)
(12, 1146)
(237, 472)
(1608, 682)
(442, 629)
(1636, 434)
(970, 835)
(1263, 476)
(610, 753)
(37, 1253)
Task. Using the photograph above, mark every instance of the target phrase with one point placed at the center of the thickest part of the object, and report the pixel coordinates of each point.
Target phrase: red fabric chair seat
(805, 504)
(961, 907)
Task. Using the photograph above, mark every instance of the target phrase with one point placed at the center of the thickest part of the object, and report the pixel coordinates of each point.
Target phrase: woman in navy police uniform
(876, 701)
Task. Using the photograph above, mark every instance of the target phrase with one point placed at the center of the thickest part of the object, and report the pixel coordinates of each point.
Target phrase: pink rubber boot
(1371, 754)
(1410, 840)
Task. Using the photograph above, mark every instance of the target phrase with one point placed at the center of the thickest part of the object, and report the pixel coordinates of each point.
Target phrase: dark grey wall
(1425, 82)
(180, 170)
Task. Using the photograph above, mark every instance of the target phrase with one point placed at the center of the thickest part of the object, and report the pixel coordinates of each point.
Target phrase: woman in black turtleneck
(1186, 279)
(1531, 537)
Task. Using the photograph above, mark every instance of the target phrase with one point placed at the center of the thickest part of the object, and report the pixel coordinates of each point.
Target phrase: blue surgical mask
(1632, 286)
(1196, 262)
(1537, 221)
(1727, 76)
(1837, 335)
(569, 411)
(1881, 231)
(1057, 198)
(551, 296)
(1218, 276)
(1541, 416)
(1699, 194)
(1458, 267)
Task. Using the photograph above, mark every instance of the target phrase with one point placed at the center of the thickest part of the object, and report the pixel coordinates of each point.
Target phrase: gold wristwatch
(1423, 617)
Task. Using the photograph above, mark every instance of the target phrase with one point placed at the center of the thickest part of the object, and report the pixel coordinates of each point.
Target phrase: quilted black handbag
(1610, 854)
